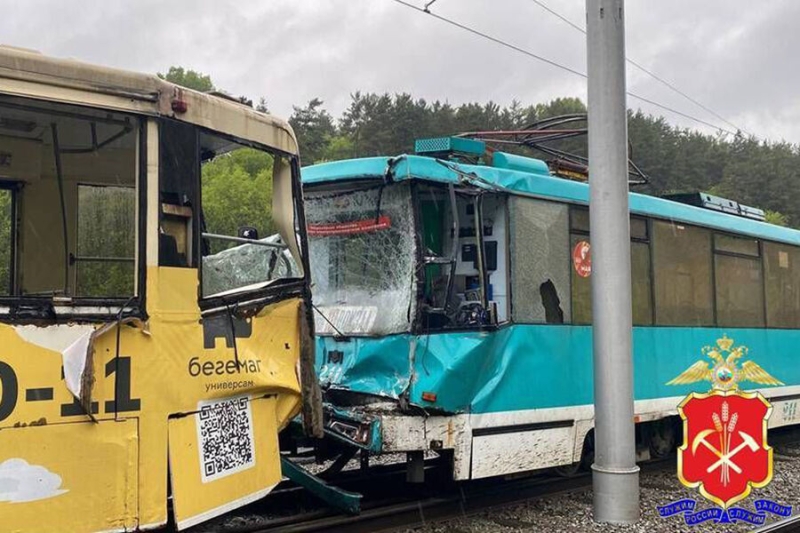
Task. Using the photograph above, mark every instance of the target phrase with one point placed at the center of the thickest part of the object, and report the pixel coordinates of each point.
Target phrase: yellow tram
(154, 327)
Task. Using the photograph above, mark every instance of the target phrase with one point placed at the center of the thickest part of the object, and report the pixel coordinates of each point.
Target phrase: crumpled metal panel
(376, 366)
(537, 366)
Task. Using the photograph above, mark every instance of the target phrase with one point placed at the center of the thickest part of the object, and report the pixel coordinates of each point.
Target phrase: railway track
(399, 507)
(391, 504)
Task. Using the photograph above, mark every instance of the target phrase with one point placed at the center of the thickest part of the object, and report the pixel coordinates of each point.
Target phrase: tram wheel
(663, 438)
(570, 470)
(585, 463)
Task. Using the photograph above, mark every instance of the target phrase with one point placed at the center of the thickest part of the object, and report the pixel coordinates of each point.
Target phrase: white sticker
(783, 259)
(225, 437)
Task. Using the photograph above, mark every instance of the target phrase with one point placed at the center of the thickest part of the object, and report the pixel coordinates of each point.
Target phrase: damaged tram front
(152, 299)
(396, 261)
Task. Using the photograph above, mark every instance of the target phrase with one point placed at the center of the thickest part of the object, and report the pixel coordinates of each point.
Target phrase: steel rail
(461, 500)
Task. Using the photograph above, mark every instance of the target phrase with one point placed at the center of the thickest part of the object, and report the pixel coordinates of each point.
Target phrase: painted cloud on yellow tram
(22, 482)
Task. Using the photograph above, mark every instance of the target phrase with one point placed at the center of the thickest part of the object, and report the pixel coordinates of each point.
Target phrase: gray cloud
(735, 56)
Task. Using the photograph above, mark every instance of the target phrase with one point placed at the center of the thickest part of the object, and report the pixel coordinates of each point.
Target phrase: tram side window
(539, 267)
(459, 303)
(7, 232)
(241, 246)
(641, 295)
(682, 265)
(105, 260)
(69, 235)
(782, 265)
(739, 287)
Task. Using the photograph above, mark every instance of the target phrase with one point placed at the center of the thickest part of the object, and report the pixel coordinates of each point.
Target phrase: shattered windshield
(361, 248)
(242, 247)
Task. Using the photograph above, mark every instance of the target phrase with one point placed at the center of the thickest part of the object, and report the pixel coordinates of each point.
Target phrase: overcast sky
(737, 57)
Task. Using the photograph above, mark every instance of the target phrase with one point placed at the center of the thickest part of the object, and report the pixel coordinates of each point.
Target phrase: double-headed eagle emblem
(725, 374)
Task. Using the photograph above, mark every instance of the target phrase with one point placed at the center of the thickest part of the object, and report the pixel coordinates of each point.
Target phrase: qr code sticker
(225, 437)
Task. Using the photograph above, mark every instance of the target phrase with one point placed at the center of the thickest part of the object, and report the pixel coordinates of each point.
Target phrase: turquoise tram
(453, 300)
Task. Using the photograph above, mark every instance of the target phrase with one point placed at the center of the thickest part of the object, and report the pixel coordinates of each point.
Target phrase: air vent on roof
(715, 203)
(447, 147)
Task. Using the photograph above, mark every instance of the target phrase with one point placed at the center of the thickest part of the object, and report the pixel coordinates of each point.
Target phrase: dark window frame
(756, 259)
(38, 307)
(796, 248)
(647, 240)
(279, 289)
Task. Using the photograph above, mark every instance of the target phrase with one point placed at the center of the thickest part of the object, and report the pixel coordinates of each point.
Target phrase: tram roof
(542, 185)
(28, 73)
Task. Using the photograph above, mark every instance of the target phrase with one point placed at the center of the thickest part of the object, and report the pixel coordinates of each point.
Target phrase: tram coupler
(342, 500)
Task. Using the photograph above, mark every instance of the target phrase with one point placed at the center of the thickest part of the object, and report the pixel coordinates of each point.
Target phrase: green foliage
(339, 147)
(106, 222)
(779, 219)
(236, 192)
(190, 79)
(755, 173)
(314, 129)
(6, 243)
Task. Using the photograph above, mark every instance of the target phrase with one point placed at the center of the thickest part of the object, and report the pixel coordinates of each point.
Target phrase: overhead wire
(558, 65)
(645, 70)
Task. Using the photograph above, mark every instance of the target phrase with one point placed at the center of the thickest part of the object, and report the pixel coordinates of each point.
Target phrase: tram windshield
(362, 254)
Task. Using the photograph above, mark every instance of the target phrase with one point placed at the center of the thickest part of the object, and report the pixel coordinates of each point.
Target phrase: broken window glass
(362, 253)
(539, 261)
(240, 245)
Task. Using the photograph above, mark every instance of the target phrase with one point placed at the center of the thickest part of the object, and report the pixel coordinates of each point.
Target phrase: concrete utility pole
(615, 475)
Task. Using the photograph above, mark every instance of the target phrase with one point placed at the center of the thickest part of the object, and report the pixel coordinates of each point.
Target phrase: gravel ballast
(572, 512)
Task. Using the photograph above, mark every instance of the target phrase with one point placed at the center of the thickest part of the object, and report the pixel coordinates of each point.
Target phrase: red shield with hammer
(725, 449)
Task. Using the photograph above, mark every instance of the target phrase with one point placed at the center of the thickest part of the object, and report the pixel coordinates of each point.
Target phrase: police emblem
(724, 452)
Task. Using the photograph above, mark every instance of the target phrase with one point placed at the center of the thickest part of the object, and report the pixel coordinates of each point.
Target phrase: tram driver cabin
(453, 288)
(151, 324)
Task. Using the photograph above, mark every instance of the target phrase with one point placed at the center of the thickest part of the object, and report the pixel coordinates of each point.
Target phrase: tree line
(743, 168)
